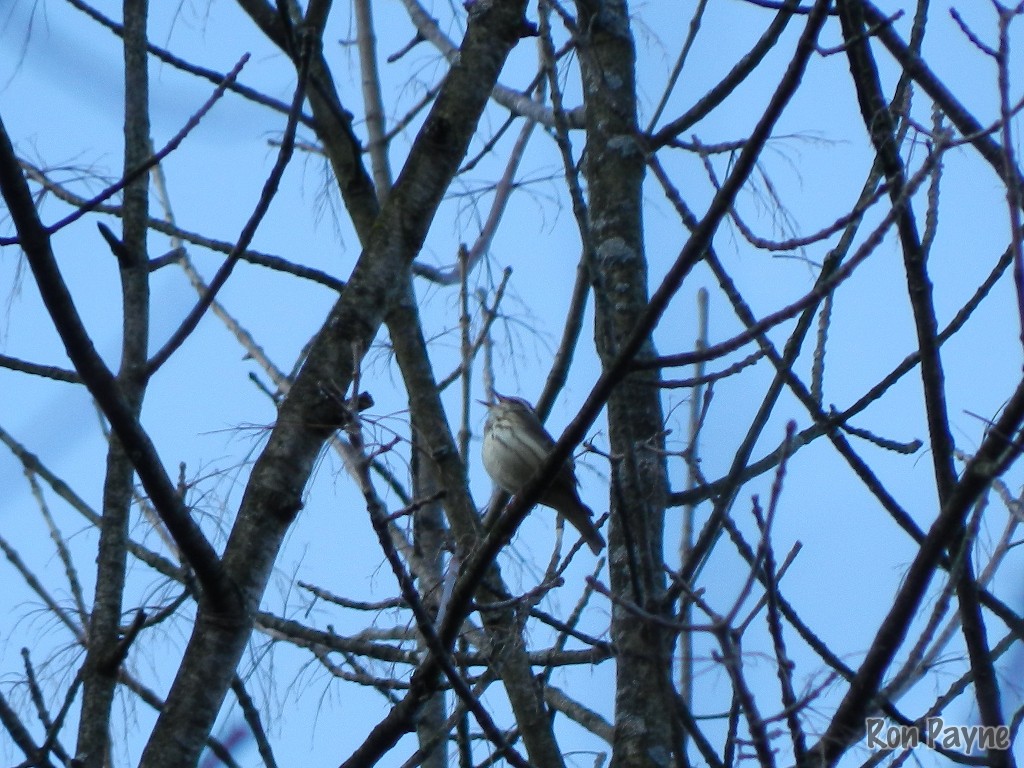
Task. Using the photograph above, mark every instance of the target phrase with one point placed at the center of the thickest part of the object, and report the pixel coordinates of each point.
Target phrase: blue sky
(60, 100)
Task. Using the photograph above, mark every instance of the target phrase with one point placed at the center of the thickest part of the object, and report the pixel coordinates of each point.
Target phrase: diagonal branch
(35, 241)
(881, 127)
(312, 411)
(995, 455)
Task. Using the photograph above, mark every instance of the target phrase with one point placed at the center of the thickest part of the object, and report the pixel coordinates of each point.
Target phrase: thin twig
(137, 172)
(270, 187)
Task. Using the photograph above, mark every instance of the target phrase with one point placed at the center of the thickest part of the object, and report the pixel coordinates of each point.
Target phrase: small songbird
(515, 444)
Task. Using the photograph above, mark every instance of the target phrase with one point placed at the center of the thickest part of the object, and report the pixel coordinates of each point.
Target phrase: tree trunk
(614, 167)
(104, 654)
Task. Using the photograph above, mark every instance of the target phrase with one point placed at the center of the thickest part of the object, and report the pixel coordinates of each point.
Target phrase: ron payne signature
(936, 733)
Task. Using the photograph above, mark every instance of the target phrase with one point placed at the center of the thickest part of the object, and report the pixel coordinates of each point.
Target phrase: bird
(515, 445)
